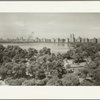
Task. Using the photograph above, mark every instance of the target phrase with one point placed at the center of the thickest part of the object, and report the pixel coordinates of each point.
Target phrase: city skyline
(49, 25)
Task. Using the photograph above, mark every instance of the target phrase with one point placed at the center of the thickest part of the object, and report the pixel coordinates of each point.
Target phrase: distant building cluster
(83, 40)
(71, 39)
(36, 40)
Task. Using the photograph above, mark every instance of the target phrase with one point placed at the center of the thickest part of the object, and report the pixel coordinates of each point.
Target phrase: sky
(49, 25)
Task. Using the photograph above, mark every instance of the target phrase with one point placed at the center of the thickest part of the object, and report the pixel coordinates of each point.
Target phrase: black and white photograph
(50, 49)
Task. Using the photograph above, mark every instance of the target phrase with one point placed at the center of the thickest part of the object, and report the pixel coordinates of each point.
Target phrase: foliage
(14, 82)
(32, 52)
(45, 50)
(1, 53)
(19, 70)
(78, 58)
(69, 54)
(32, 67)
(6, 70)
(70, 80)
(30, 82)
(96, 76)
(55, 81)
(87, 83)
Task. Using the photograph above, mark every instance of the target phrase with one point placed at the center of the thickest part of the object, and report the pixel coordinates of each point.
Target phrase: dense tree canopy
(31, 67)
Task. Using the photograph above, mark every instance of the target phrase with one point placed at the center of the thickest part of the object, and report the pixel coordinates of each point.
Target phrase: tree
(40, 74)
(96, 76)
(31, 69)
(41, 82)
(19, 70)
(69, 54)
(2, 48)
(32, 52)
(45, 50)
(78, 58)
(6, 70)
(70, 80)
(55, 81)
(30, 82)
(1, 53)
(14, 82)
(6, 59)
(86, 83)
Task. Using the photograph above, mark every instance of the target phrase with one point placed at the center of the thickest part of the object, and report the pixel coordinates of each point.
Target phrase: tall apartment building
(72, 38)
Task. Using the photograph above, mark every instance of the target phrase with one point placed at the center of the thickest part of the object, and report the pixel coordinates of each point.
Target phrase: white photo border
(49, 92)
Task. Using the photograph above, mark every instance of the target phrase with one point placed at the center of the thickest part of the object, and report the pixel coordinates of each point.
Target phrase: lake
(55, 47)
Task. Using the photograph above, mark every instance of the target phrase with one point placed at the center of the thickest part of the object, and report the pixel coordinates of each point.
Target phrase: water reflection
(55, 47)
(61, 44)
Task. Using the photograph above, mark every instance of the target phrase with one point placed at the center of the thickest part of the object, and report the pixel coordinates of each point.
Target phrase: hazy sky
(49, 25)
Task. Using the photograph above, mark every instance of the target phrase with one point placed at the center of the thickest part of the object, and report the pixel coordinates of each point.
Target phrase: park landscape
(79, 66)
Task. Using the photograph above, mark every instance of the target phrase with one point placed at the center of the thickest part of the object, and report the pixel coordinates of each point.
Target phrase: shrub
(78, 58)
(19, 70)
(40, 74)
(14, 82)
(30, 82)
(45, 50)
(6, 70)
(96, 76)
(86, 83)
(70, 80)
(41, 82)
(32, 52)
(68, 55)
(55, 81)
